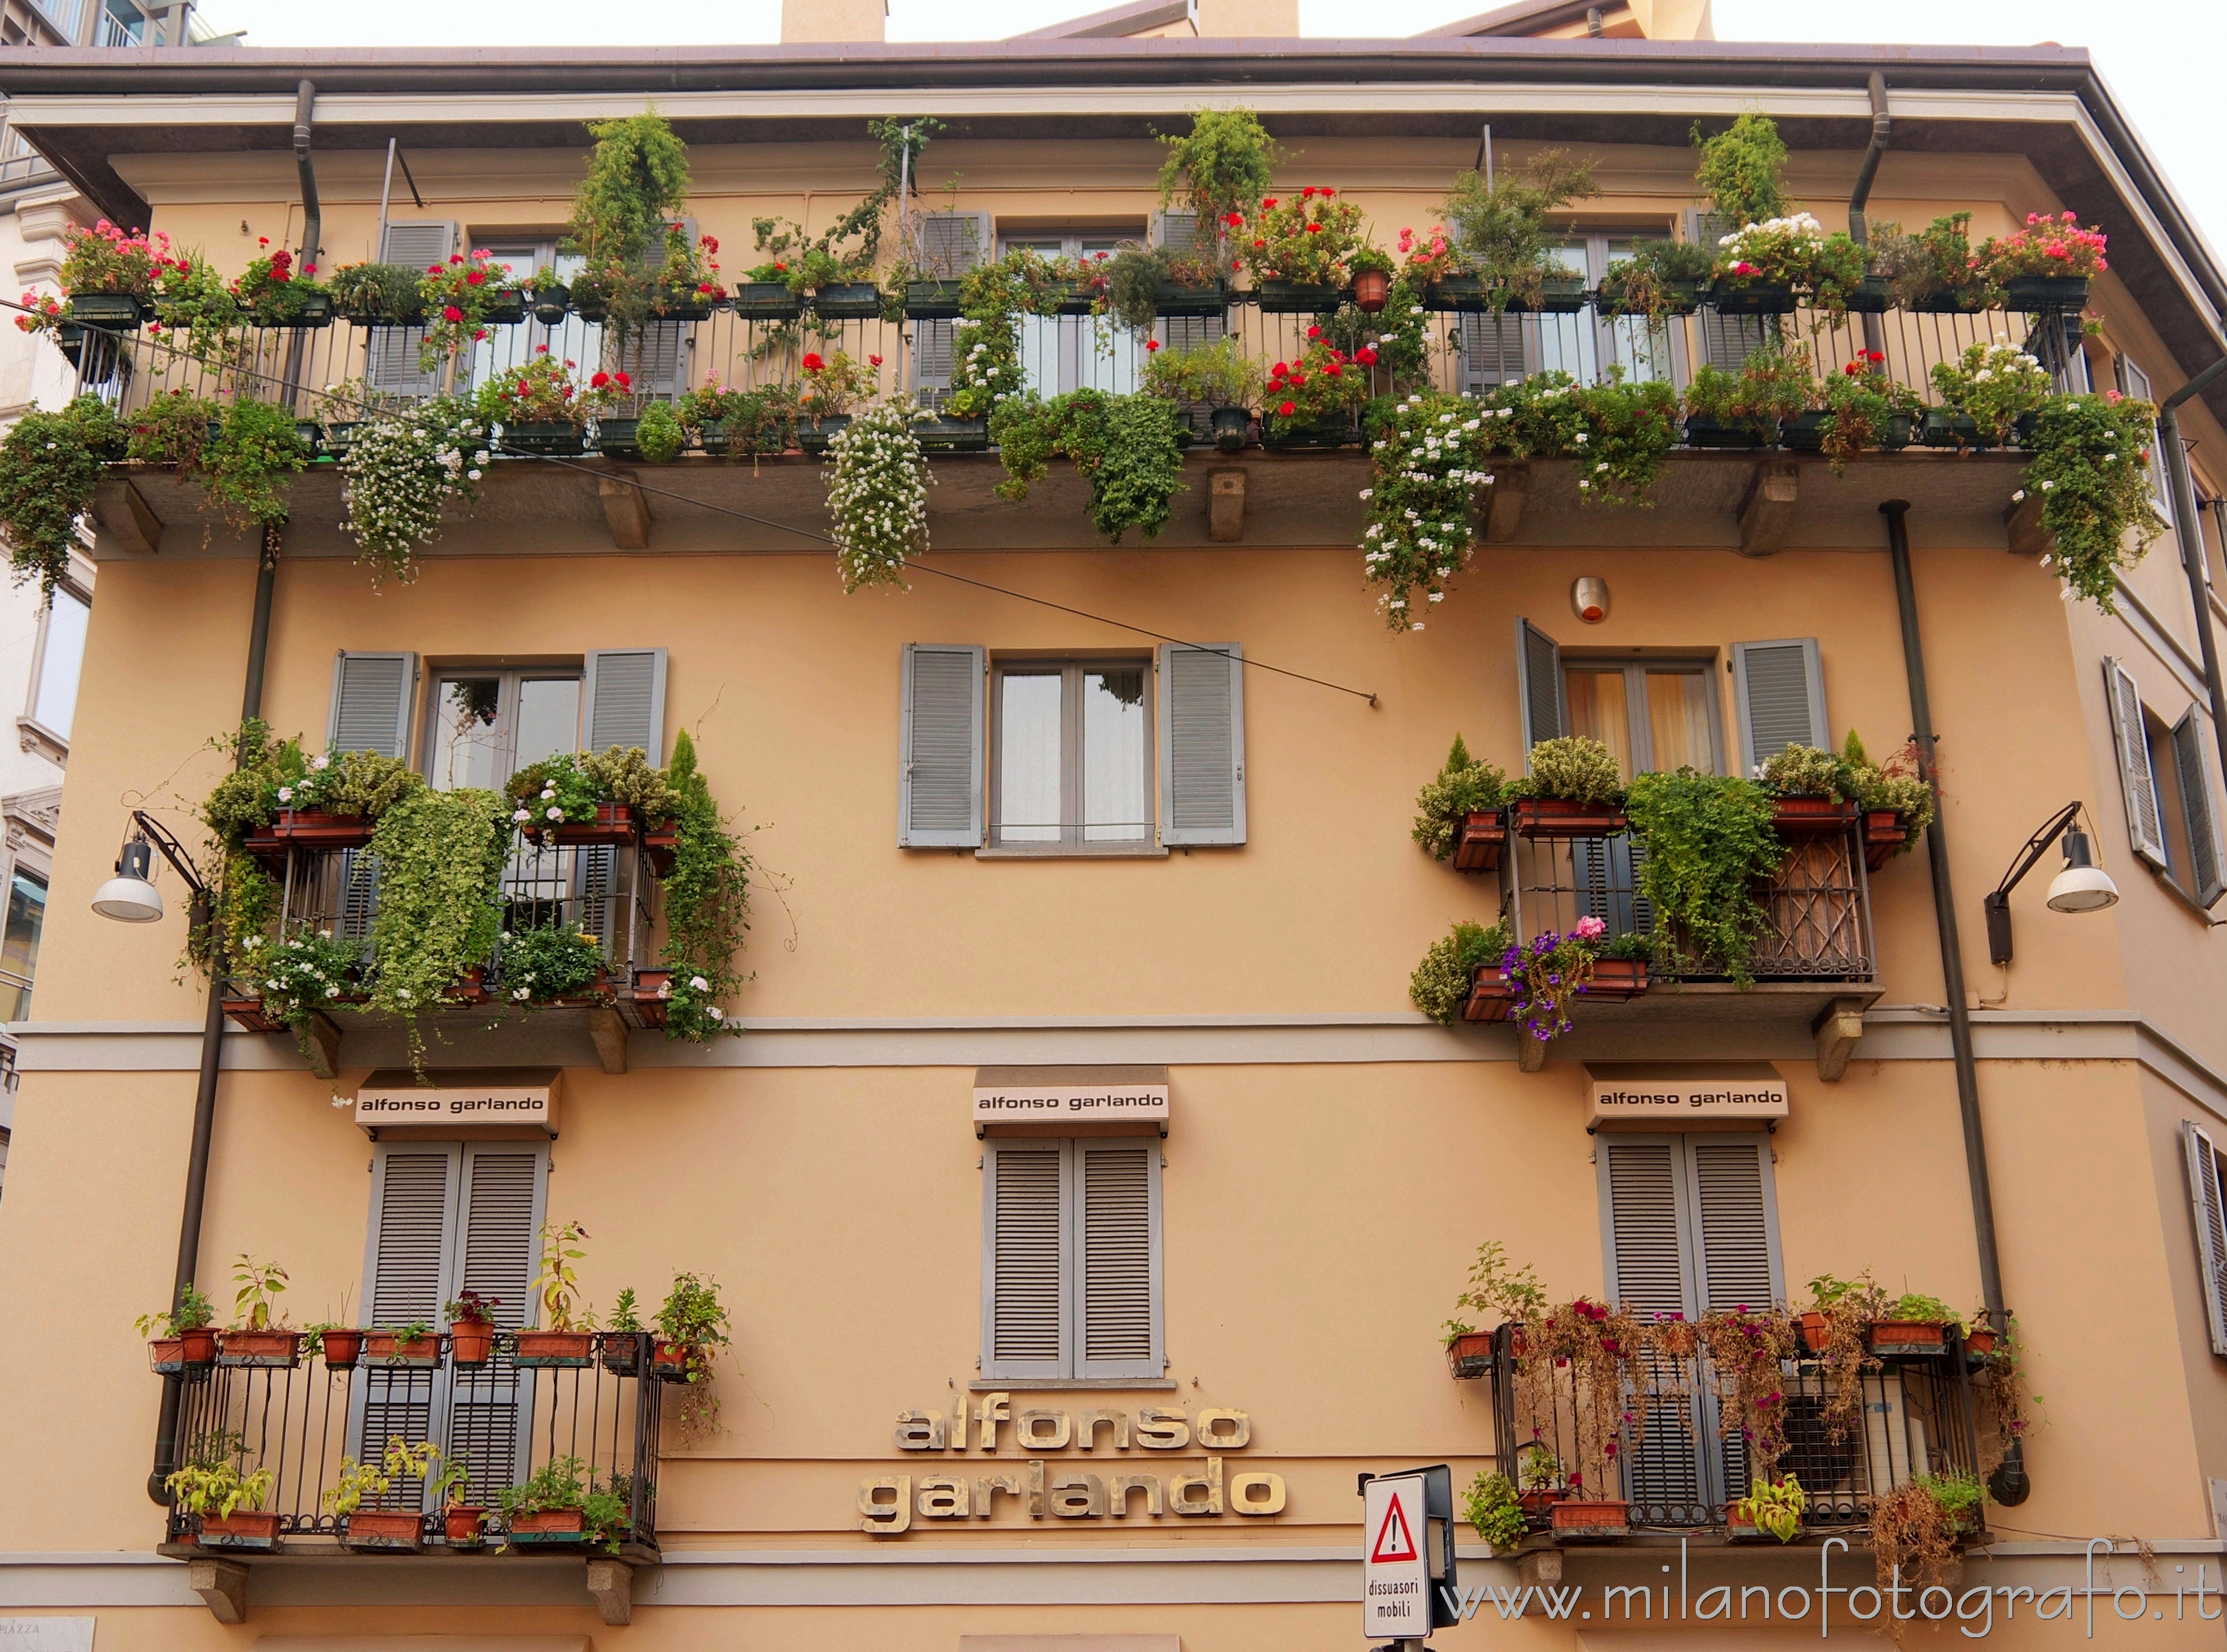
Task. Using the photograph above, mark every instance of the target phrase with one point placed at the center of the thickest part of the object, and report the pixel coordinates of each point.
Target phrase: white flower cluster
(401, 469)
(1749, 238)
(878, 493)
(1427, 467)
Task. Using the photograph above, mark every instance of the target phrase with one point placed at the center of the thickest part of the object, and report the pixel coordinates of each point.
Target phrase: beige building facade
(1007, 1384)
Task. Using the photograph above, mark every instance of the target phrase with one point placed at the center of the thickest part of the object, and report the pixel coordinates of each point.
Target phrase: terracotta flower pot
(342, 1349)
(548, 1347)
(1812, 817)
(463, 1525)
(243, 1529)
(669, 1362)
(1539, 1503)
(385, 1348)
(1617, 977)
(1883, 834)
(1370, 288)
(271, 1348)
(614, 823)
(384, 1528)
(1813, 1327)
(661, 842)
(1979, 1342)
(550, 1526)
(193, 1349)
(470, 1341)
(1558, 816)
(1577, 1520)
(1477, 848)
(1906, 1336)
(1489, 995)
(1471, 1357)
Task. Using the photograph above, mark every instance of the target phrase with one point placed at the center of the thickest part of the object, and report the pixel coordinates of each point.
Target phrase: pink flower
(1589, 929)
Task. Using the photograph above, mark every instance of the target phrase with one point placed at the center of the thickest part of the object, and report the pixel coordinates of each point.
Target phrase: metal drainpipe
(2191, 528)
(197, 1158)
(313, 218)
(2009, 1484)
(1858, 226)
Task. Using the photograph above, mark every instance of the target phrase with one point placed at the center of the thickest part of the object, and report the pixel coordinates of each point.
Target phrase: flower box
(1489, 996)
(1617, 979)
(1484, 834)
(1812, 817)
(1946, 430)
(504, 308)
(1884, 837)
(1467, 294)
(1558, 816)
(621, 1352)
(661, 842)
(385, 1348)
(391, 1529)
(308, 829)
(1301, 435)
(1296, 298)
(340, 1348)
(1980, 1344)
(249, 1015)
(188, 1351)
(1679, 298)
(1946, 301)
(463, 1525)
(766, 301)
(650, 986)
(339, 438)
(592, 307)
(619, 438)
(1208, 298)
(547, 1348)
(1539, 1504)
(1706, 430)
(315, 312)
(931, 301)
(762, 442)
(118, 311)
(1805, 431)
(554, 440)
(1814, 1329)
(281, 1349)
(1873, 296)
(1471, 1357)
(669, 1362)
(1074, 297)
(551, 304)
(1750, 298)
(1558, 296)
(2035, 294)
(1589, 1520)
(814, 435)
(243, 1529)
(614, 823)
(470, 1341)
(310, 435)
(1906, 1336)
(550, 1526)
(938, 435)
(694, 307)
(847, 300)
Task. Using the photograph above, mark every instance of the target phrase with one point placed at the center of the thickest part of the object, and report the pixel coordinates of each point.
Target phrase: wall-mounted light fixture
(1589, 598)
(2082, 886)
(131, 896)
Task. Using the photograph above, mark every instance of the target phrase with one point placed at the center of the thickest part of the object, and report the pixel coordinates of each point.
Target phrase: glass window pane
(466, 750)
(59, 666)
(1028, 776)
(548, 718)
(1597, 712)
(19, 945)
(1678, 720)
(1113, 806)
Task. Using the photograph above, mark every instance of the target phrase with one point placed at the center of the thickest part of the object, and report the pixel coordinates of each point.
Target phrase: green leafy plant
(557, 1485)
(1129, 283)
(1774, 1507)
(692, 1319)
(636, 183)
(1540, 1470)
(1641, 285)
(1617, 431)
(1463, 787)
(50, 467)
(707, 904)
(752, 422)
(1223, 165)
(440, 858)
(1935, 266)
(1492, 1507)
(1574, 769)
(547, 963)
(1441, 985)
(834, 384)
(402, 468)
(447, 1489)
(1916, 1308)
(539, 391)
(878, 494)
(391, 293)
(1863, 401)
(1710, 843)
(1743, 169)
(658, 436)
(212, 1481)
(1994, 386)
(1898, 784)
(555, 1283)
(1804, 771)
(193, 1312)
(986, 339)
(358, 1483)
(1958, 1491)
(244, 468)
(2091, 465)
(1503, 228)
(1427, 461)
(1123, 446)
(307, 971)
(625, 1317)
(255, 1305)
(1220, 374)
(1497, 1290)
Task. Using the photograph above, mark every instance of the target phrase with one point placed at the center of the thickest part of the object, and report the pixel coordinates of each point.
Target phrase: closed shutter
(1493, 352)
(2205, 1197)
(391, 363)
(1643, 1195)
(2198, 808)
(1734, 1222)
(406, 1268)
(418, 243)
(1539, 691)
(951, 244)
(1024, 1260)
(499, 1223)
(1726, 340)
(939, 747)
(371, 703)
(2145, 832)
(622, 702)
(1780, 691)
(1201, 728)
(655, 358)
(1177, 232)
(1117, 1247)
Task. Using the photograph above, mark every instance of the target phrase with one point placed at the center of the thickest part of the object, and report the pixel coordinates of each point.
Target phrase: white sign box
(1396, 1570)
(1070, 1095)
(1682, 1096)
(462, 1097)
(46, 1635)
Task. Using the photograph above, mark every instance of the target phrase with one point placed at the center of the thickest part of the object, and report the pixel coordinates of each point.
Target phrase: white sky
(2161, 56)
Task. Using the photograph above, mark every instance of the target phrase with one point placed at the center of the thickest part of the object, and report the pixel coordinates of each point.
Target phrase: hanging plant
(636, 181)
(440, 858)
(1743, 169)
(1502, 229)
(707, 904)
(244, 468)
(1428, 460)
(2091, 466)
(1601, 1352)
(1747, 1349)
(50, 467)
(1548, 976)
(402, 468)
(1123, 446)
(1996, 385)
(1223, 165)
(1618, 433)
(878, 493)
(986, 339)
(1711, 843)
(1848, 1307)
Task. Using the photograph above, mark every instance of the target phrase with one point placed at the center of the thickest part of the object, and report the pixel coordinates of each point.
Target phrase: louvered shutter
(1734, 1222)
(2197, 807)
(391, 363)
(951, 244)
(654, 357)
(1643, 1196)
(940, 748)
(2145, 832)
(2134, 383)
(1726, 340)
(498, 1225)
(622, 702)
(1540, 690)
(2205, 1197)
(1495, 350)
(418, 243)
(1117, 1247)
(371, 703)
(1201, 729)
(1780, 691)
(1176, 232)
(1025, 1236)
(405, 1282)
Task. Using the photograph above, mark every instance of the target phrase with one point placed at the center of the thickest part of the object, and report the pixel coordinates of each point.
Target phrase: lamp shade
(130, 897)
(2082, 886)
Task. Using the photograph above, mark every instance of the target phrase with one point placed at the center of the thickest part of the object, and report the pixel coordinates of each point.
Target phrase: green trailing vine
(440, 859)
(1710, 842)
(635, 186)
(2091, 465)
(547, 963)
(707, 904)
(1224, 164)
(1429, 460)
(1123, 446)
(1743, 169)
(50, 467)
(244, 468)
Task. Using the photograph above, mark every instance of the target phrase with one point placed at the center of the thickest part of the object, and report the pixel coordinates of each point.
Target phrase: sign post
(1407, 1553)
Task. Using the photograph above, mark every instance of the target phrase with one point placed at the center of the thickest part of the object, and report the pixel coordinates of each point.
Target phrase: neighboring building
(1106, 1386)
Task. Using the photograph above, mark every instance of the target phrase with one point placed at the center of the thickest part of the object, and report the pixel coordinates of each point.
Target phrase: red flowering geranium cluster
(1309, 237)
(456, 295)
(689, 276)
(611, 394)
(271, 292)
(2046, 246)
(539, 392)
(1321, 384)
(1428, 257)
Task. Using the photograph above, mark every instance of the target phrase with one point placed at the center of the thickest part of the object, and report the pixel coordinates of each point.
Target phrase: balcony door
(1064, 353)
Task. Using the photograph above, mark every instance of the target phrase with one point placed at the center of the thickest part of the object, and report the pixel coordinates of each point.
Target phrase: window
(2207, 1174)
(483, 726)
(1071, 1258)
(1064, 353)
(59, 661)
(19, 943)
(1073, 753)
(572, 338)
(2165, 778)
(1655, 714)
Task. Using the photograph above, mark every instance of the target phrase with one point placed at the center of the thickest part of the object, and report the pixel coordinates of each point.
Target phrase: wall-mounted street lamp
(131, 896)
(2082, 886)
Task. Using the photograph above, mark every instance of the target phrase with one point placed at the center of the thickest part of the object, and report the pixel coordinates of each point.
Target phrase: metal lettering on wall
(1040, 1489)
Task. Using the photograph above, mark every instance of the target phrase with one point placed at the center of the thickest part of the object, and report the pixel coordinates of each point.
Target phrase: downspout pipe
(2009, 1484)
(1860, 230)
(2190, 525)
(313, 218)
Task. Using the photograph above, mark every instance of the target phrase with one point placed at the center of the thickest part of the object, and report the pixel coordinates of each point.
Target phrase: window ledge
(42, 741)
(1062, 851)
(1029, 1385)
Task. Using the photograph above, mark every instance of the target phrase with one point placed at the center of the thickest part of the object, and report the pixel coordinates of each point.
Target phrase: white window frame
(510, 679)
(1071, 668)
(35, 737)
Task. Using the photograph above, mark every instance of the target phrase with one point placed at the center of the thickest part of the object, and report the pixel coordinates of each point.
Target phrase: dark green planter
(1679, 298)
(814, 435)
(847, 300)
(2038, 293)
(1464, 295)
(952, 435)
(549, 441)
(362, 318)
(1076, 297)
(1298, 436)
(1946, 302)
(1296, 298)
(1805, 431)
(339, 438)
(699, 310)
(1557, 296)
(2022, 429)
(1750, 298)
(505, 308)
(1231, 425)
(591, 309)
(1705, 430)
(314, 310)
(310, 435)
(714, 440)
(1946, 430)
(552, 304)
(121, 311)
(1871, 297)
(617, 437)
(931, 301)
(1901, 428)
(1176, 300)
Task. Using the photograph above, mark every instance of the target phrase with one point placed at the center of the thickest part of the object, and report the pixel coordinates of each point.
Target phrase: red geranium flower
(812, 361)
(434, 269)
(1314, 229)
(625, 383)
(873, 362)
(1307, 193)
(1314, 332)
(1269, 205)
(451, 313)
(475, 277)
(1334, 370)
(599, 381)
(1151, 344)
(1287, 409)
(455, 258)
(1366, 355)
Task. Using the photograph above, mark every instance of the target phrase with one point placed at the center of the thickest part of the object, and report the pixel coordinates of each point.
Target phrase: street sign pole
(1407, 1555)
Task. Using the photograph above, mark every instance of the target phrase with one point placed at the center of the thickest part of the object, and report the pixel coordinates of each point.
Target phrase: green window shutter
(622, 702)
(498, 1227)
(1540, 690)
(939, 747)
(2134, 383)
(406, 1281)
(1779, 688)
(372, 694)
(2137, 783)
(2199, 807)
(1026, 1328)
(2205, 1197)
(1117, 1245)
(1201, 734)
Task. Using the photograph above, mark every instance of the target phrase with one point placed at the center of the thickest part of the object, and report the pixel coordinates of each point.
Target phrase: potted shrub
(1459, 813)
(416, 1343)
(376, 1528)
(1897, 802)
(692, 1329)
(535, 407)
(2047, 265)
(620, 1342)
(1659, 280)
(1773, 1509)
(463, 1523)
(223, 1500)
(1717, 414)
(1495, 1510)
(1501, 230)
(471, 1327)
(561, 1505)
(569, 1339)
(1935, 272)
(1812, 793)
(1219, 376)
(258, 1338)
(737, 423)
(1864, 408)
(1299, 250)
(1541, 1471)
(832, 386)
(1913, 1325)
(182, 1337)
(1497, 1290)
(1571, 789)
(685, 285)
(379, 295)
(1460, 966)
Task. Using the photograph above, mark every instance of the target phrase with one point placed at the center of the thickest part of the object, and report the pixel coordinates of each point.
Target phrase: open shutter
(2145, 832)
(2206, 1197)
(623, 702)
(1025, 1327)
(405, 1282)
(939, 747)
(2197, 807)
(498, 1225)
(2134, 383)
(1117, 1242)
(1780, 691)
(1201, 728)
(371, 703)
(1540, 690)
